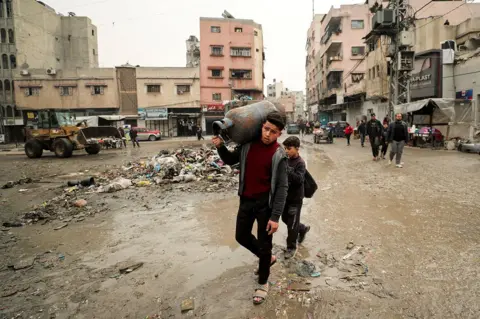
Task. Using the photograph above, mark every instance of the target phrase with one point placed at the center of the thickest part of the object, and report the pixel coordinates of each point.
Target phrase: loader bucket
(95, 134)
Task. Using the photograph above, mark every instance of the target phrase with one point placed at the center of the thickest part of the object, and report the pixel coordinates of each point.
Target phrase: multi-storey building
(154, 97)
(275, 89)
(312, 67)
(340, 60)
(231, 63)
(193, 52)
(33, 36)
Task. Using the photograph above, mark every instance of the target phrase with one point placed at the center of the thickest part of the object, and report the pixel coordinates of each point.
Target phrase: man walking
(362, 130)
(296, 192)
(263, 190)
(374, 131)
(398, 137)
(122, 134)
(134, 137)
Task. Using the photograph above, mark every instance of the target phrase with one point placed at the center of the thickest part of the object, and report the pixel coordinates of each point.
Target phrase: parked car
(293, 129)
(145, 134)
(338, 132)
(469, 147)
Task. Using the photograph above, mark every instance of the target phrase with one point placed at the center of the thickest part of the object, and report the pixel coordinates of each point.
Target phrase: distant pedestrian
(362, 131)
(348, 133)
(384, 141)
(398, 136)
(375, 132)
(122, 134)
(307, 128)
(291, 214)
(134, 137)
(199, 134)
(190, 127)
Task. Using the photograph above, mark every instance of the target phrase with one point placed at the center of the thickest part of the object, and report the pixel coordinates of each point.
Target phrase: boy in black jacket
(293, 206)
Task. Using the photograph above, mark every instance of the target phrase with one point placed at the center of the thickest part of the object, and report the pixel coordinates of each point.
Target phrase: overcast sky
(153, 32)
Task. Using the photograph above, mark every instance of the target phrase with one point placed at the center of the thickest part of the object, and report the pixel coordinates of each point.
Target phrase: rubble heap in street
(202, 168)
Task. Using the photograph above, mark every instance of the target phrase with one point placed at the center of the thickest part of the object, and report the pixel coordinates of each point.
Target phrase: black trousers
(348, 138)
(375, 143)
(291, 217)
(384, 147)
(249, 211)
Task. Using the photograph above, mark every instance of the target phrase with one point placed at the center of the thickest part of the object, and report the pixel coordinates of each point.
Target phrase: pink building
(231, 61)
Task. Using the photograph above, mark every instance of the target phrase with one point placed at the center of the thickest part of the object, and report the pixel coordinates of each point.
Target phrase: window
(255, 33)
(217, 50)
(182, 89)
(216, 73)
(7, 86)
(239, 30)
(66, 90)
(215, 29)
(217, 96)
(94, 52)
(2, 13)
(378, 70)
(32, 91)
(97, 90)
(93, 32)
(370, 74)
(153, 88)
(13, 62)
(3, 35)
(358, 24)
(358, 51)
(9, 8)
(11, 39)
(5, 61)
(246, 52)
(241, 74)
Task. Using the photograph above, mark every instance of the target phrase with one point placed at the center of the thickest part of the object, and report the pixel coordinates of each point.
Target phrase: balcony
(334, 56)
(334, 81)
(333, 28)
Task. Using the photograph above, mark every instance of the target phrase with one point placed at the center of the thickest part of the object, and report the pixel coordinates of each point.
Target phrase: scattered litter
(61, 226)
(305, 268)
(23, 190)
(80, 203)
(61, 257)
(187, 305)
(296, 286)
(118, 184)
(143, 183)
(12, 224)
(131, 268)
(352, 252)
(22, 181)
(85, 182)
(316, 274)
(350, 245)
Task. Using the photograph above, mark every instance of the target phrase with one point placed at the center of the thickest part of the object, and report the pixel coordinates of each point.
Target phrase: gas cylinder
(244, 124)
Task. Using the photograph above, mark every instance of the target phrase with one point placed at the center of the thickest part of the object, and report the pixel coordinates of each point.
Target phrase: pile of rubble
(181, 166)
(202, 167)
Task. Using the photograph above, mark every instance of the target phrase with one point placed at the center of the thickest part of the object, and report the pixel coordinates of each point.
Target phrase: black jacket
(402, 127)
(296, 178)
(362, 129)
(374, 128)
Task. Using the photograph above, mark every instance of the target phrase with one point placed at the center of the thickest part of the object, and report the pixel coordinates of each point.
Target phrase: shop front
(155, 118)
(184, 121)
(212, 113)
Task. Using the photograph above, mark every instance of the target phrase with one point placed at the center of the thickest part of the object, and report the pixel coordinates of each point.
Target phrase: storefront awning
(112, 117)
(454, 110)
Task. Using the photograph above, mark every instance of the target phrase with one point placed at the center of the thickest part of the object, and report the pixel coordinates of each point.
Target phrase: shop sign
(157, 114)
(2, 138)
(215, 108)
(142, 114)
(426, 79)
(464, 95)
(357, 77)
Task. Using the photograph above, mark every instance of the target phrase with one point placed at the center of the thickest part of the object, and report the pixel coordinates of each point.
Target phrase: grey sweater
(279, 188)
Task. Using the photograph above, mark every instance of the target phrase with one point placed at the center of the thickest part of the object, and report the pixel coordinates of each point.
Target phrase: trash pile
(180, 166)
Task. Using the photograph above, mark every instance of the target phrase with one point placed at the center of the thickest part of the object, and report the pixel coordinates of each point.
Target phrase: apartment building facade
(275, 89)
(157, 98)
(312, 69)
(34, 36)
(341, 60)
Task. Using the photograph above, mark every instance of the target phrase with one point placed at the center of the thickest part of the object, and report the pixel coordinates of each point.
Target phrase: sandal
(271, 265)
(260, 294)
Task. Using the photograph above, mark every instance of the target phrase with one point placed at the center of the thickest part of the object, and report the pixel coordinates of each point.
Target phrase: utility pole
(313, 10)
(402, 58)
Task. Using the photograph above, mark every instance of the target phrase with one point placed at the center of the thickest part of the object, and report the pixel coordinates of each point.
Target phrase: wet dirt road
(416, 229)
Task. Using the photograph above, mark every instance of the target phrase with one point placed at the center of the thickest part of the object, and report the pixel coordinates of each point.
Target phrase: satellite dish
(227, 15)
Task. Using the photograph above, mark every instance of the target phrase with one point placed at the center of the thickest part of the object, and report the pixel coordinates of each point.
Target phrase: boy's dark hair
(292, 141)
(276, 119)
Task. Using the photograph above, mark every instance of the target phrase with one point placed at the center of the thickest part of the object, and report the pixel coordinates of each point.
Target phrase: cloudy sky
(153, 32)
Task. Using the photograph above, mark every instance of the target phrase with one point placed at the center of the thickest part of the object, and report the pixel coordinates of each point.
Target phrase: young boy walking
(293, 205)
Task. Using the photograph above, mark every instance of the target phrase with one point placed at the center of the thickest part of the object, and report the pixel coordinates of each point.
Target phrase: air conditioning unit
(24, 72)
(388, 17)
(51, 71)
(449, 44)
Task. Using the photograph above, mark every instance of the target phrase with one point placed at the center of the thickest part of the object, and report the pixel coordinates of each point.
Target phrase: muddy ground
(386, 243)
